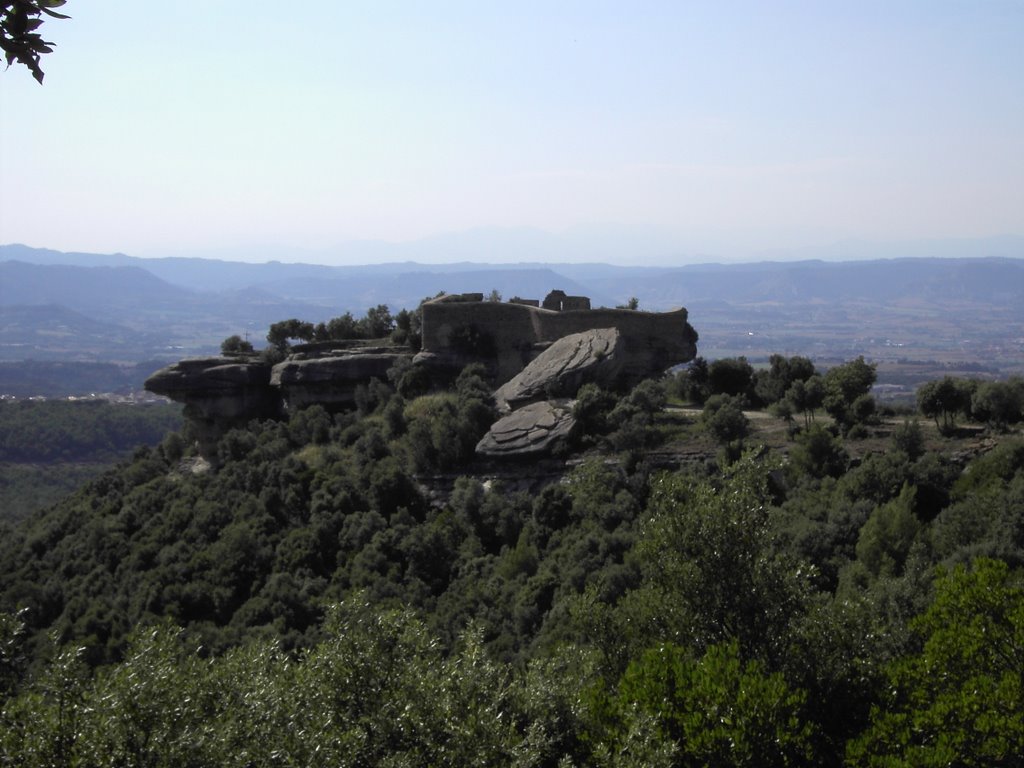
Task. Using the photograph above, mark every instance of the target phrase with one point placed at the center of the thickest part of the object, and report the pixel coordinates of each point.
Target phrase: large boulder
(331, 381)
(533, 430)
(595, 355)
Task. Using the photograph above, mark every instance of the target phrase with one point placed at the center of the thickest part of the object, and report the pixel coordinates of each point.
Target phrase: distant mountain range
(113, 306)
(599, 243)
(898, 265)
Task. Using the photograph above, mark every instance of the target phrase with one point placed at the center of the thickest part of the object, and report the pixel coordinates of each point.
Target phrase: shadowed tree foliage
(946, 398)
(959, 700)
(601, 608)
(732, 376)
(724, 419)
(281, 332)
(908, 437)
(847, 388)
(20, 21)
(338, 328)
(772, 384)
(999, 403)
(378, 322)
(818, 453)
(691, 383)
(236, 345)
(806, 397)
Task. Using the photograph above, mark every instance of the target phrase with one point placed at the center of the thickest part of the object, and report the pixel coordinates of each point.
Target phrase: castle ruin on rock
(463, 328)
(613, 347)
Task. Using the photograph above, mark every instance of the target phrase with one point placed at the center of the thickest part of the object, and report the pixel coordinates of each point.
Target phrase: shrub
(723, 418)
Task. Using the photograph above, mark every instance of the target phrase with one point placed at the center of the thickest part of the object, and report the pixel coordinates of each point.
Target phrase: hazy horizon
(656, 134)
(524, 248)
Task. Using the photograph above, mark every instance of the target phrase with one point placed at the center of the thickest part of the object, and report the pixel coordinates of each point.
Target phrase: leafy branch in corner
(19, 39)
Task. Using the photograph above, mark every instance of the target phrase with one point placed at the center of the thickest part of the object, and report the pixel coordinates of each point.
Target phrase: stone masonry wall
(516, 330)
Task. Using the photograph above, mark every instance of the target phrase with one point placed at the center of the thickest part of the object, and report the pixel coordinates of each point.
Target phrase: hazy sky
(722, 128)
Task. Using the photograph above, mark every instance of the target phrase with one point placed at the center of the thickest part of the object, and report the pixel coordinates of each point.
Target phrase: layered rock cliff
(219, 393)
(224, 392)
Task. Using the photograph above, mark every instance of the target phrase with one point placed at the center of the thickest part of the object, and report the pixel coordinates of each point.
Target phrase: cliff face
(331, 381)
(560, 351)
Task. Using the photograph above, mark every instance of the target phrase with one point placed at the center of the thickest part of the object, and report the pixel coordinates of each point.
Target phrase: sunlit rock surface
(561, 369)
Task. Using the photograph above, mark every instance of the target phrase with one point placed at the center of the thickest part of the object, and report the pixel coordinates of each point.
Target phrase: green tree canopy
(281, 332)
(960, 699)
(235, 345)
(771, 385)
(723, 418)
(806, 396)
(378, 322)
(846, 387)
(945, 398)
(717, 711)
(730, 376)
(998, 403)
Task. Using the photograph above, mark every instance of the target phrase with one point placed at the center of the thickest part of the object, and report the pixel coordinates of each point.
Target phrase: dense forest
(49, 431)
(49, 448)
(356, 588)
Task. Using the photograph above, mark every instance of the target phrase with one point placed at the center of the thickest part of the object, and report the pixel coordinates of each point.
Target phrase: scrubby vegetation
(354, 589)
(377, 323)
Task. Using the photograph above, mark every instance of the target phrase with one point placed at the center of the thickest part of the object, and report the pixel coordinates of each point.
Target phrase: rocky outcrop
(331, 381)
(533, 430)
(222, 386)
(534, 352)
(506, 336)
(560, 370)
(219, 393)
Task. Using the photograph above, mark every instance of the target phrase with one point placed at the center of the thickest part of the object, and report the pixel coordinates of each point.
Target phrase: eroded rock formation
(219, 393)
(540, 354)
(533, 430)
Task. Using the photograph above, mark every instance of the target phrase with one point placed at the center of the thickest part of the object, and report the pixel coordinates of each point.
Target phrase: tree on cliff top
(19, 38)
(280, 332)
(236, 345)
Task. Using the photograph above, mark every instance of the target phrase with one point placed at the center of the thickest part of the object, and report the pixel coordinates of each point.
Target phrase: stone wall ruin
(460, 329)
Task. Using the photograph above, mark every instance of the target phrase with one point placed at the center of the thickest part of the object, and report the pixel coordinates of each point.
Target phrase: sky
(665, 130)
